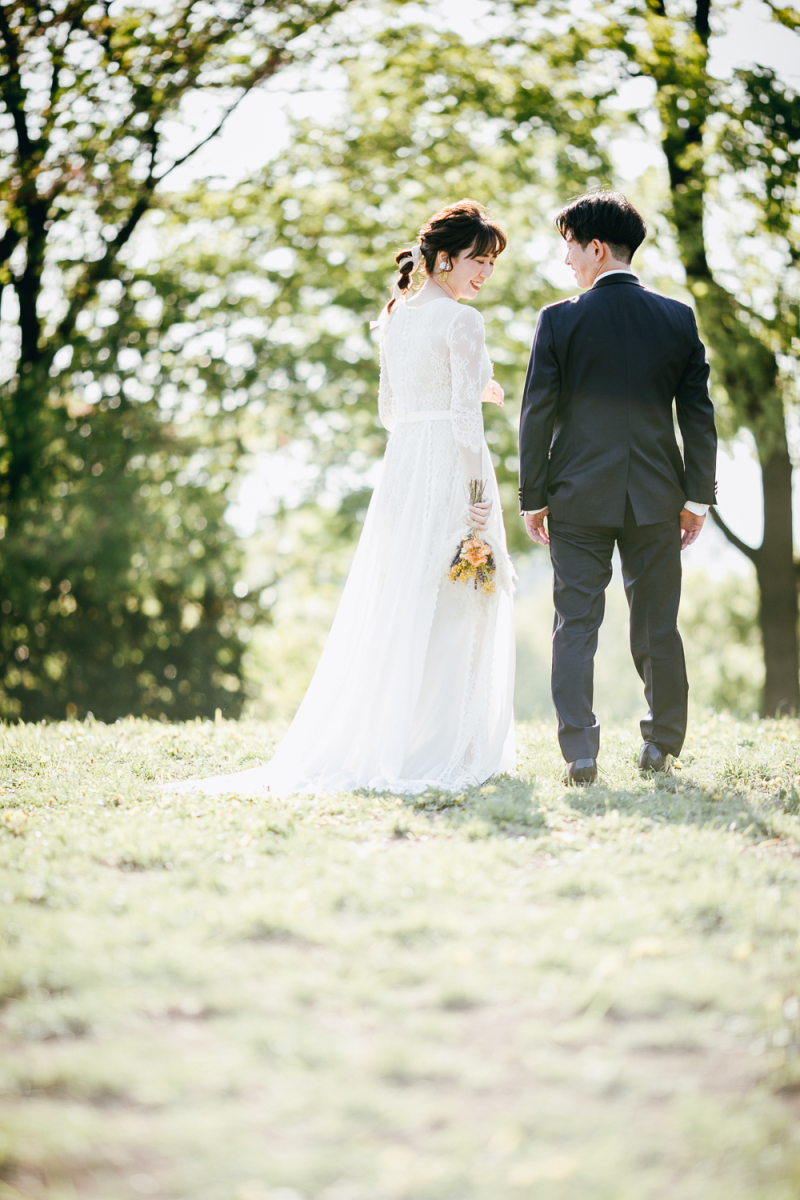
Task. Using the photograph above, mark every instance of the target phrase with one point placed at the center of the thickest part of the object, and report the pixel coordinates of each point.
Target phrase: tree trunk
(746, 367)
(777, 583)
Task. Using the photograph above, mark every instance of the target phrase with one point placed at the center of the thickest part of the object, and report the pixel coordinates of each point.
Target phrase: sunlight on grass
(519, 991)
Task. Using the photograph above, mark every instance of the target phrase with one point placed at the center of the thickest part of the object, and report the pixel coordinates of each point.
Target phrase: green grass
(521, 992)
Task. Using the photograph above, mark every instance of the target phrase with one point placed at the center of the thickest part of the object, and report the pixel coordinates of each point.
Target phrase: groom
(599, 460)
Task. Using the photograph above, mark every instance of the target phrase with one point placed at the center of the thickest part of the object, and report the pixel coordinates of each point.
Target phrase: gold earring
(444, 267)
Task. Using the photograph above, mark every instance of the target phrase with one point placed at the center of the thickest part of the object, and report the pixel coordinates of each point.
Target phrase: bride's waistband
(433, 414)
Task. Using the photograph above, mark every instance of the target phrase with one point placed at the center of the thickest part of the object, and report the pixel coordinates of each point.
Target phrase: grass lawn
(522, 992)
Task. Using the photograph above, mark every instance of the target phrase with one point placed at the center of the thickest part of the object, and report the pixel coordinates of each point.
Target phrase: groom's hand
(691, 525)
(534, 524)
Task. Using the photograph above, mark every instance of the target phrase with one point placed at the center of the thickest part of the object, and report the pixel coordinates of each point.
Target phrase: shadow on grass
(506, 805)
(511, 806)
(673, 801)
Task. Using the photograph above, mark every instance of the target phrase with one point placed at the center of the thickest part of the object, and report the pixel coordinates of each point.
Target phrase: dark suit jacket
(597, 421)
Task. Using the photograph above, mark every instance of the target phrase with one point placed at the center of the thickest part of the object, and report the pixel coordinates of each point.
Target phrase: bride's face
(467, 275)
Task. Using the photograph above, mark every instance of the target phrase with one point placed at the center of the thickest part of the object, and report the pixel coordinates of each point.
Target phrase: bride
(414, 686)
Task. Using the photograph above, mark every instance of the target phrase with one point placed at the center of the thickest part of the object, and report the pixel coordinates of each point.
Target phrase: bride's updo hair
(457, 227)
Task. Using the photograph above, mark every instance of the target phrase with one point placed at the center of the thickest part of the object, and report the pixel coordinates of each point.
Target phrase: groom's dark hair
(607, 216)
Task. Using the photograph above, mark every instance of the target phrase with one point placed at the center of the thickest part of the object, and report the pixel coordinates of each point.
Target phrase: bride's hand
(493, 394)
(478, 515)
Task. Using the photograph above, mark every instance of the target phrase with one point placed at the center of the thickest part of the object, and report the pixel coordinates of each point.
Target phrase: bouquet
(474, 562)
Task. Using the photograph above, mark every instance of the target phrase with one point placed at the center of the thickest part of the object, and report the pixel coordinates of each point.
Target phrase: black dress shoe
(653, 758)
(581, 772)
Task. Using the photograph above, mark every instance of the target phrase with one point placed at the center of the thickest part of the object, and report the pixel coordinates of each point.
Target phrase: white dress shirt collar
(616, 271)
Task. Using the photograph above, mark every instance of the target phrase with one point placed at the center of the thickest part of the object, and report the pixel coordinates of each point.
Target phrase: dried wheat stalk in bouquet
(474, 562)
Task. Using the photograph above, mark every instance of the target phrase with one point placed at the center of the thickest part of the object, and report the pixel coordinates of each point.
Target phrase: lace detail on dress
(470, 371)
(415, 686)
(387, 408)
(433, 359)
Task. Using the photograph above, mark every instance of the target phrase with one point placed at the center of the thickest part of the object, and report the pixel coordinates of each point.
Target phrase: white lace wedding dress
(414, 687)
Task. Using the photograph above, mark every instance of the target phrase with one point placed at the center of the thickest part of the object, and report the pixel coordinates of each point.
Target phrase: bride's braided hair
(461, 226)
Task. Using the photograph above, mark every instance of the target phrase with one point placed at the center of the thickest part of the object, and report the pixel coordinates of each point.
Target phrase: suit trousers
(651, 572)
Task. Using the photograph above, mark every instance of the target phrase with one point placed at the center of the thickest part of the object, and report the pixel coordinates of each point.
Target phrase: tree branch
(57, 56)
(785, 16)
(701, 19)
(273, 64)
(11, 85)
(8, 243)
(99, 270)
(750, 552)
(95, 272)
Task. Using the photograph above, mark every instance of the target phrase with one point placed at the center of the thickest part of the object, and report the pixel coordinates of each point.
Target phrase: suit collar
(610, 279)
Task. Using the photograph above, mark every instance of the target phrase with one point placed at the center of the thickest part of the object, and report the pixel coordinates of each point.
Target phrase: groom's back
(614, 359)
(619, 340)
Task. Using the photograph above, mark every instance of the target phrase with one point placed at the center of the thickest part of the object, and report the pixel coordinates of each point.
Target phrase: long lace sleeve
(470, 372)
(387, 405)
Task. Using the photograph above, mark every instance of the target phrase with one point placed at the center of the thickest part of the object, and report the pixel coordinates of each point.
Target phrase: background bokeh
(188, 378)
(520, 990)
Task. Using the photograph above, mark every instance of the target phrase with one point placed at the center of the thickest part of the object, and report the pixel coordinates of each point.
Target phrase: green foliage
(730, 155)
(520, 124)
(137, 385)
(109, 632)
(521, 990)
(760, 141)
(428, 119)
(723, 141)
(117, 567)
(719, 625)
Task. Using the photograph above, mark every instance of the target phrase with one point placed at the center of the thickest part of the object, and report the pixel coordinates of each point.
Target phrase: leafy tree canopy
(523, 121)
(117, 567)
(428, 118)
